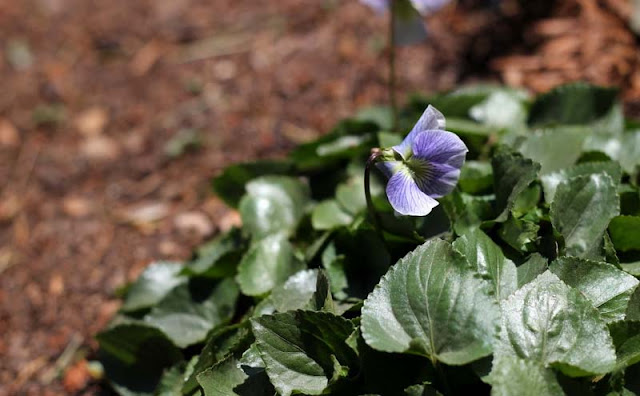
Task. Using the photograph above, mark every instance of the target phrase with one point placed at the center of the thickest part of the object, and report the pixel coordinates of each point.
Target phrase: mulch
(115, 114)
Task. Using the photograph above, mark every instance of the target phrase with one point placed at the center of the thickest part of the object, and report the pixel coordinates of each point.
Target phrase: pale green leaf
(549, 323)
(273, 204)
(268, 263)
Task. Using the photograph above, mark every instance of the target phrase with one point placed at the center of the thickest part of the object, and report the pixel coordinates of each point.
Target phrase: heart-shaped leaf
(432, 302)
(554, 325)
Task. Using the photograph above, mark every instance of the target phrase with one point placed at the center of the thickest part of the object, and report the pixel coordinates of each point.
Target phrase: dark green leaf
(572, 104)
(273, 204)
(625, 233)
(626, 337)
(608, 288)
(155, 282)
(268, 263)
(476, 177)
(222, 378)
(134, 357)
(222, 342)
(300, 349)
(512, 174)
(190, 311)
(467, 211)
(432, 303)
(230, 185)
(519, 234)
(489, 261)
(549, 323)
(581, 211)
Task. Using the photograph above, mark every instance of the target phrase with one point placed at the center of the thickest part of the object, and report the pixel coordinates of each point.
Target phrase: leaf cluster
(523, 281)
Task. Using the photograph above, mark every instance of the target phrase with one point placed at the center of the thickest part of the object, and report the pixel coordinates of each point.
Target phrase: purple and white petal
(431, 119)
(428, 6)
(379, 6)
(405, 196)
(440, 147)
(389, 168)
(438, 180)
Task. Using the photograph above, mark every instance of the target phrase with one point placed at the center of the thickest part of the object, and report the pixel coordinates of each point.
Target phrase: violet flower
(425, 166)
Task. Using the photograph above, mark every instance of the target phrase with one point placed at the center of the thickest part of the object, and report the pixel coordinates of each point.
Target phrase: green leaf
(530, 269)
(434, 304)
(134, 357)
(520, 234)
(608, 288)
(268, 263)
(421, 390)
(500, 109)
(233, 376)
(273, 204)
(476, 177)
(554, 149)
(624, 148)
(219, 257)
(512, 174)
(300, 349)
(551, 181)
(581, 211)
(549, 323)
(489, 261)
(155, 282)
(625, 233)
(222, 342)
(173, 379)
(308, 289)
(230, 185)
(328, 215)
(190, 311)
(572, 104)
(511, 375)
(626, 337)
(222, 378)
(466, 211)
(381, 115)
(349, 139)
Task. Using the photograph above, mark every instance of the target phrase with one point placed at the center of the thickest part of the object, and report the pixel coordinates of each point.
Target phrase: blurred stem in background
(392, 65)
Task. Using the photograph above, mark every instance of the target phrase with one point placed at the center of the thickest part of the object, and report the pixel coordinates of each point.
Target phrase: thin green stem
(375, 153)
(392, 66)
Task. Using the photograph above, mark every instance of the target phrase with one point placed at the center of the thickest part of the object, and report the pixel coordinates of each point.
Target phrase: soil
(114, 115)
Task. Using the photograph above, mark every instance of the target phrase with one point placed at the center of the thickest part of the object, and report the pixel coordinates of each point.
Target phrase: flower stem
(375, 153)
(392, 67)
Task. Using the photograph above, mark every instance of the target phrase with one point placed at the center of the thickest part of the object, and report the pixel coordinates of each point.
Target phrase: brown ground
(93, 94)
